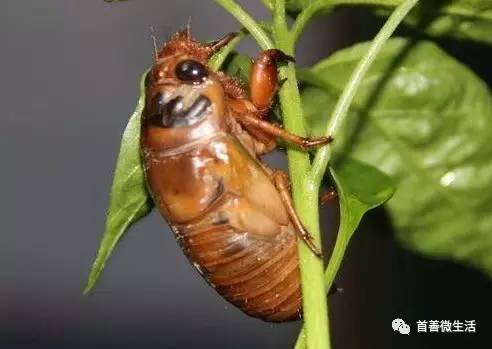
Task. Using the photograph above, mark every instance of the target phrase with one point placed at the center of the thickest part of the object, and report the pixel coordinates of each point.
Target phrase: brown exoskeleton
(232, 214)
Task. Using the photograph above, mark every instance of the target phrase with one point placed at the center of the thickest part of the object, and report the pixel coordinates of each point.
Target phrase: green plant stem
(304, 192)
(324, 154)
(341, 110)
(248, 22)
(305, 16)
(306, 196)
(220, 57)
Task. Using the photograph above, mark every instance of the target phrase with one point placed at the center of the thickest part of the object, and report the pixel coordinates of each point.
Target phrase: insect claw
(328, 196)
(308, 239)
(279, 56)
(289, 58)
(315, 142)
(281, 82)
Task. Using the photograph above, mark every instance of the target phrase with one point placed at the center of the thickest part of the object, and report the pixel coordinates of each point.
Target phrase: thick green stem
(249, 23)
(306, 197)
(304, 192)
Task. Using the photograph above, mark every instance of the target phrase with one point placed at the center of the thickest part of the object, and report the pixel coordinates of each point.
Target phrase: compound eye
(191, 71)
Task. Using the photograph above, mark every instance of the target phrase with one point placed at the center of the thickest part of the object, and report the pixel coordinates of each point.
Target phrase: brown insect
(231, 213)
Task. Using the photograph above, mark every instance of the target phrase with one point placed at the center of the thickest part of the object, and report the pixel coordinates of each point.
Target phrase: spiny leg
(263, 142)
(281, 181)
(328, 196)
(216, 45)
(251, 114)
(249, 119)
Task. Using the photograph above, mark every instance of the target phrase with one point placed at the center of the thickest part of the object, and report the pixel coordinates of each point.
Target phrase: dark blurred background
(69, 72)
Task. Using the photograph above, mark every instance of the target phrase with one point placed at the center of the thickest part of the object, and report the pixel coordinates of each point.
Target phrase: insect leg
(248, 119)
(328, 196)
(264, 78)
(216, 45)
(281, 181)
(262, 142)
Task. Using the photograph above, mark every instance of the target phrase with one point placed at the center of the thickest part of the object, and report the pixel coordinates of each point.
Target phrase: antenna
(154, 41)
(188, 29)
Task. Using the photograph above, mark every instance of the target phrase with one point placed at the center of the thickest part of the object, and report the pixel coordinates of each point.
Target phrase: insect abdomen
(259, 274)
(231, 223)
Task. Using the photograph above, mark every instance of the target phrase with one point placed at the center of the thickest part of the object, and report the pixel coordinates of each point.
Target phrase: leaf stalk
(340, 112)
(248, 22)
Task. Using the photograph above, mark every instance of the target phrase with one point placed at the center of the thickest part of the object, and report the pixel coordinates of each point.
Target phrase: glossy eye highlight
(191, 71)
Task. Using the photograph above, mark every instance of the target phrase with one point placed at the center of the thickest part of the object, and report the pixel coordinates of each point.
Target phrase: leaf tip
(87, 290)
(91, 282)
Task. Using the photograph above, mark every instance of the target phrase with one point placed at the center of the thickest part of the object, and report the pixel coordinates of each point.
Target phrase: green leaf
(360, 188)
(463, 19)
(129, 200)
(425, 120)
(469, 20)
(479, 30)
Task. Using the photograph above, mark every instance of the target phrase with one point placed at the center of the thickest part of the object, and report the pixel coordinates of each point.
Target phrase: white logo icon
(400, 326)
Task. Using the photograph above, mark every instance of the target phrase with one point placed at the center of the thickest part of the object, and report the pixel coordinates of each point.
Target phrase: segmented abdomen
(257, 273)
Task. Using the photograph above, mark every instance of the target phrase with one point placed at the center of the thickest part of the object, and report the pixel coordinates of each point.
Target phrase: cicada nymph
(202, 135)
